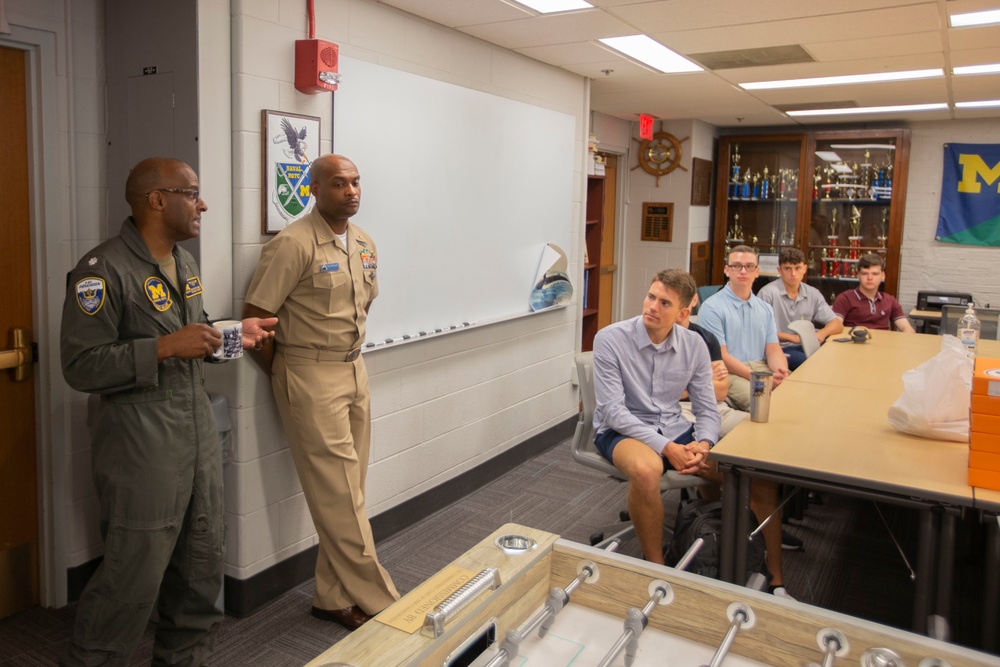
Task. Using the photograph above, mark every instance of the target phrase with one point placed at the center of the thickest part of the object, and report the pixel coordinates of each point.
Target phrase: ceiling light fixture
(863, 110)
(888, 147)
(979, 104)
(651, 53)
(553, 6)
(975, 18)
(877, 77)
(992, 68)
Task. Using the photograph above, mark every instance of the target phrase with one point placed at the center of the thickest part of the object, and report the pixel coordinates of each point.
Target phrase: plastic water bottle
(968, 332)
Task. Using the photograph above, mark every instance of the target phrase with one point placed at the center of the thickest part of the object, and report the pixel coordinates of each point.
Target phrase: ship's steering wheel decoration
(660, 155)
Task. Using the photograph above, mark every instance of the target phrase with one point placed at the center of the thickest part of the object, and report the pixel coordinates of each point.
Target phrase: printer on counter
(935, 300)
(932, 302)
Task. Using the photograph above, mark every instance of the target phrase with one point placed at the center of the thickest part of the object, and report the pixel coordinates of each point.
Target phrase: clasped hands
(689, 459)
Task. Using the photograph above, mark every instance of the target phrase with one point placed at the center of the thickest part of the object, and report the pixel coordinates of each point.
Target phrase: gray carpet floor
(849, 564)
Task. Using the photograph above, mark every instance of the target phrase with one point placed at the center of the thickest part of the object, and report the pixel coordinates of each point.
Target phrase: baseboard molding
(245, 596)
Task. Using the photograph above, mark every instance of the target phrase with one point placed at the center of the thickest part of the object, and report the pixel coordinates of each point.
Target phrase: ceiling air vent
(770, 55)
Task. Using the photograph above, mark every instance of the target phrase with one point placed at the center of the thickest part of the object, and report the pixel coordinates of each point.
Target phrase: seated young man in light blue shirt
(792, 300)
(745, 327)
(642, 367)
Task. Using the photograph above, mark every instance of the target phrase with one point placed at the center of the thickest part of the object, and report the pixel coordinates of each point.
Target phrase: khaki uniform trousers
(739, 388)
(325, 408)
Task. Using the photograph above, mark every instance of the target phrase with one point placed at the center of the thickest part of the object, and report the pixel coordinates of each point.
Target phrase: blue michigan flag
(970, 195)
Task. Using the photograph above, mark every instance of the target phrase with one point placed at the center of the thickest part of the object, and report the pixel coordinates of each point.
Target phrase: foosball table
(525, 598)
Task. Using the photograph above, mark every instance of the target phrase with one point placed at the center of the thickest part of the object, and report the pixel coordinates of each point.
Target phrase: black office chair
(988, 317)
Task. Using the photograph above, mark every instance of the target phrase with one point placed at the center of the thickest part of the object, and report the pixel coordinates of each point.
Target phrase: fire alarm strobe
(316, 66)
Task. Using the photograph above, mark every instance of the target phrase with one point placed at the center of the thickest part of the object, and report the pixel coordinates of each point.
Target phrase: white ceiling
(842, 36)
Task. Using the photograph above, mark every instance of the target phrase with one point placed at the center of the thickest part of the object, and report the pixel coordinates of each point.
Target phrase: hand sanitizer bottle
(968, 332)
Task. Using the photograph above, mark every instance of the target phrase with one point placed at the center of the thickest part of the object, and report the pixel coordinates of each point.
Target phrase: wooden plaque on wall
(700, 256)
(701, 182)
(657, 221)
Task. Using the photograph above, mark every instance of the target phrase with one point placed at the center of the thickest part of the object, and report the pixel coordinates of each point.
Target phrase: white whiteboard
(460, 189)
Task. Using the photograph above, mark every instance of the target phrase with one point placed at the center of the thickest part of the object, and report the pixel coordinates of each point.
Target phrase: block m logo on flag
(970, 195)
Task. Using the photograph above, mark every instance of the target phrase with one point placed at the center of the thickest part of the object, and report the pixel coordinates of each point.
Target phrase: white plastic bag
(936, 396)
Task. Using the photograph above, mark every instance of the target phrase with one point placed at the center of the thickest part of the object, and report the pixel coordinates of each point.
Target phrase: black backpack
(703, 518)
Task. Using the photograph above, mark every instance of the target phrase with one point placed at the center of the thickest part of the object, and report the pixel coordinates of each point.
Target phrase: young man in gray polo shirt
(791, 300)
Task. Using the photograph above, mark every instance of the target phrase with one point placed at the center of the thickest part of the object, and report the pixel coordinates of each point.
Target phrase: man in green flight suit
(135, 332)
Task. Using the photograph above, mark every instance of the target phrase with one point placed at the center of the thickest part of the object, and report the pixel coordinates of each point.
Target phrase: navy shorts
(606, 441)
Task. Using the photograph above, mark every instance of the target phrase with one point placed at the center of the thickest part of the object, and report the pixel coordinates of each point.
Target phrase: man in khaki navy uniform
(319, 276)
(135, 332)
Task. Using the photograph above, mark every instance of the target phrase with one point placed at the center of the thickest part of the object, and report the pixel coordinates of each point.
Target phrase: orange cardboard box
(986, 405)
(984, 479)
(984, 460)
(986, 378)
(984, 442)
(984, 423)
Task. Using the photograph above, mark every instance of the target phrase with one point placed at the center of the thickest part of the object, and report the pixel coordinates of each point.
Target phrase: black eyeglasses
(749, 268)
(193, 195)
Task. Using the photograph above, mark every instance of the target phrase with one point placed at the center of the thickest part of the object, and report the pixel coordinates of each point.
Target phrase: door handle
(17, 358)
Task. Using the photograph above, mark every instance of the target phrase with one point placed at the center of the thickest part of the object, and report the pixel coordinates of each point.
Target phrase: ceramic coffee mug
(232, 339)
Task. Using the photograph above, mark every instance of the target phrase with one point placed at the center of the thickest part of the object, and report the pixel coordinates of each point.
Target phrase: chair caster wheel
(624, 517)
(595, 538)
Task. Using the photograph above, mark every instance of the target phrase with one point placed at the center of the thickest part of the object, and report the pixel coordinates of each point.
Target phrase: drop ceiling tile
(850, 16)
(983, 37)
(976, 56)
(978, 87)
(553, 29)
(569, 54)
(876, 47)
(455, 13)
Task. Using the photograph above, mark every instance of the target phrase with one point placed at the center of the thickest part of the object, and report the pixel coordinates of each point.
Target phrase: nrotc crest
(291, 192)
(90, 295)
(158, 294)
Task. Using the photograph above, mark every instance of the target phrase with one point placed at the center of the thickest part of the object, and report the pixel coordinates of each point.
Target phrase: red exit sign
(645, 126)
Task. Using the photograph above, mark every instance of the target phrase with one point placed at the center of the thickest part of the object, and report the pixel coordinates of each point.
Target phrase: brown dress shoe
(352, 617)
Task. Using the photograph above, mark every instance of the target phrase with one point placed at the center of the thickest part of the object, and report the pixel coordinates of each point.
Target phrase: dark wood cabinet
(835, 195)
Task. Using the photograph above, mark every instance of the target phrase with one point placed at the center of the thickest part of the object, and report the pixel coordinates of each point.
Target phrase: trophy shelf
(835, 195)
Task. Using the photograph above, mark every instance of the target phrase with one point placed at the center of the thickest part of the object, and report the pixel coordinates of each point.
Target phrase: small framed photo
(290, 142)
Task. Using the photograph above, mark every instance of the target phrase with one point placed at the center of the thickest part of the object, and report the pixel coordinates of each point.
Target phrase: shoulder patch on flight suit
(193, 287)
(90, 294)
(368, 259)
(158, 294)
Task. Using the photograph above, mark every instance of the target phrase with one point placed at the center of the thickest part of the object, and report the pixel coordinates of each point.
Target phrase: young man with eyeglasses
(744, 325)
(865, 306)
(791, 299)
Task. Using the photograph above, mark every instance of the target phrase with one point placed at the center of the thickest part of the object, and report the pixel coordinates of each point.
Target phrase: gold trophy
(883, 226)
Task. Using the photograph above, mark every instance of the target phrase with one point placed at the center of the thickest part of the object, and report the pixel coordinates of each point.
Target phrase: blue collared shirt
(744, 327)
(639, 387)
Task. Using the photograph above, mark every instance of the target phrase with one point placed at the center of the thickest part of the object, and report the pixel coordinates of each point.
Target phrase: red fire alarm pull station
(645, 126)
(316, 66)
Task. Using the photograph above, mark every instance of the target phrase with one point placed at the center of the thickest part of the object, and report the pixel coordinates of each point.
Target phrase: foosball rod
(558, 598)
(739, 615)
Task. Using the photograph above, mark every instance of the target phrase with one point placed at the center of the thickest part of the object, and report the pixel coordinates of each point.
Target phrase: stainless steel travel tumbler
(760, 395)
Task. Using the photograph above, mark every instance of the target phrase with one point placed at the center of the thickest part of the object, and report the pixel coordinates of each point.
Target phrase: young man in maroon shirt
(865, 306)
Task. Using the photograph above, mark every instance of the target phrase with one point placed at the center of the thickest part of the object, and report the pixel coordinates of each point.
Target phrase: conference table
(828, 430)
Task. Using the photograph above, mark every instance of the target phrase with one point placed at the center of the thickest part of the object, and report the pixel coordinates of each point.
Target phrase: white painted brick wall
(439, 406)
(926, 263)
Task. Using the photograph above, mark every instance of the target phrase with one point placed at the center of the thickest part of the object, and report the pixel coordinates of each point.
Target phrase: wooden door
(18, 476)
(608, 269)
